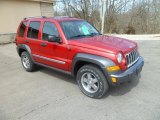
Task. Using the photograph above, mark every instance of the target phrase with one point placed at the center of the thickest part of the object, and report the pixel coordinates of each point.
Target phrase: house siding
(46, 9)
(12, 12)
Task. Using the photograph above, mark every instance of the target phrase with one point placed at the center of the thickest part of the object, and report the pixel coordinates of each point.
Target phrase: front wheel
(92, 81)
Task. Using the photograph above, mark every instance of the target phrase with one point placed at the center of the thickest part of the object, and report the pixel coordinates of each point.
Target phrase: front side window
(49, 29)
(33, 30)
(22, 29)
(78, 29)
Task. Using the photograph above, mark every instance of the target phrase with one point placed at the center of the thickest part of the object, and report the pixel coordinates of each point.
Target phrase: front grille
(132, 57)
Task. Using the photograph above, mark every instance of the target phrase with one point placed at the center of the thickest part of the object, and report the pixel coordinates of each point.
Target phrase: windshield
(78, 29)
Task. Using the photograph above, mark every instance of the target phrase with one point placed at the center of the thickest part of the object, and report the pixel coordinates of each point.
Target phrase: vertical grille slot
(132, 57)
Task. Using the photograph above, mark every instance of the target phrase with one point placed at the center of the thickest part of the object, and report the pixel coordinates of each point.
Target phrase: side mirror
(53, 38)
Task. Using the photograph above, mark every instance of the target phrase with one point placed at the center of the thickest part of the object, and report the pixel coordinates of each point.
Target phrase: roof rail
(35, 17)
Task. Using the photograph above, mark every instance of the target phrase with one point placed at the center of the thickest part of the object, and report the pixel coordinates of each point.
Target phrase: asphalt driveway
(50, 95)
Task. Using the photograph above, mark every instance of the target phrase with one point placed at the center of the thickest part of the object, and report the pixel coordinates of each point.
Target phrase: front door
(52, 53)
(33, 37)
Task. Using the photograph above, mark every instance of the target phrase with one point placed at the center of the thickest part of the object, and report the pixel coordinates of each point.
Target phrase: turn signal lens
(114, 80)
(113, 68)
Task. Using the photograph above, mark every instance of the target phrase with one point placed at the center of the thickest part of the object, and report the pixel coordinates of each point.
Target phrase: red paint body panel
(105, 43)
(53, 50)
(105, 46)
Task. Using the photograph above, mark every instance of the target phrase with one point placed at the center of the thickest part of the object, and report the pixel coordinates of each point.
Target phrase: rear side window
(49, 29)
(33, 30)
(22, 29)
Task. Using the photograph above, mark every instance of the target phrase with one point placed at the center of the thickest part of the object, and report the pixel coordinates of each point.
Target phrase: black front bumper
(129, 74)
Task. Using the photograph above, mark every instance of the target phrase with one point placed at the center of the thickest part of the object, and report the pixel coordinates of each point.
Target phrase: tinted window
(33, 30)
(49, 29)
(22, 29)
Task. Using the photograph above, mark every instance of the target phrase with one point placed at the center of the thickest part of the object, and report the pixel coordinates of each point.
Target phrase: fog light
(114, 80)
(113, 68)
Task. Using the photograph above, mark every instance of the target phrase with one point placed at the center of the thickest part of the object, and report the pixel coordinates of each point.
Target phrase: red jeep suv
(75, 47)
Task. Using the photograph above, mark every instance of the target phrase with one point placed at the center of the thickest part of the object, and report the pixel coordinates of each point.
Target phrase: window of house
(22, 29)
(33, 30)
(49, 29)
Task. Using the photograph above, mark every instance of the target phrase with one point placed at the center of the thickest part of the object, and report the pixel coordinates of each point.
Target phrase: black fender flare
(102, 62)
(24, 47)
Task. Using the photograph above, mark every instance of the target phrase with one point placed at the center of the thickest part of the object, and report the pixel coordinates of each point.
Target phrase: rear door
(52, 53)
(33, 37)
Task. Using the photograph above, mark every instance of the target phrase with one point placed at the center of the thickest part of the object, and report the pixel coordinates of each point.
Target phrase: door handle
(43, 44)
(27, 41)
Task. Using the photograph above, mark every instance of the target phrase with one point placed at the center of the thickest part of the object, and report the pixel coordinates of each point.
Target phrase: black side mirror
(53, 38)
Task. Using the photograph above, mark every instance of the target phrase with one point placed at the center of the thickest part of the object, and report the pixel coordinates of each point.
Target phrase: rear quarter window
(22, 29)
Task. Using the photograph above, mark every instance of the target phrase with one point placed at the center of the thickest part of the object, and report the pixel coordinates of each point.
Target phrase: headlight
(119, 57)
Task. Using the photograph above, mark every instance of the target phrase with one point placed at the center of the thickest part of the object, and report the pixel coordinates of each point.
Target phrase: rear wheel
(92, 81)
(27, 62)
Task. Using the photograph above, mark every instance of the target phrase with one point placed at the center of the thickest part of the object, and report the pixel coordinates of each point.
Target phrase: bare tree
(120, 16)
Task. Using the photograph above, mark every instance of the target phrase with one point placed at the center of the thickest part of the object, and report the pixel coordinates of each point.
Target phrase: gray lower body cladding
(128, 75)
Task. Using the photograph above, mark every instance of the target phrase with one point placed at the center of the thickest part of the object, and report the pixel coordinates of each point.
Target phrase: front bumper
(129, 74)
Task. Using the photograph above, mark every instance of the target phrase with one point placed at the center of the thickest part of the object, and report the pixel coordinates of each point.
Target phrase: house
(13, 11)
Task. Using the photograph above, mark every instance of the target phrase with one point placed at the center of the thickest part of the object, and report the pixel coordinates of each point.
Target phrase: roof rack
(35, 17)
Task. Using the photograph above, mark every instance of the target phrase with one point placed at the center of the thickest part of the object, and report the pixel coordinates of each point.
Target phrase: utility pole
(102, 13)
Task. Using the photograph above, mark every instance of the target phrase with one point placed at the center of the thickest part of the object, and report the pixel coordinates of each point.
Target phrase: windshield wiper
(90, 35)
(77, 36)
(94, 34)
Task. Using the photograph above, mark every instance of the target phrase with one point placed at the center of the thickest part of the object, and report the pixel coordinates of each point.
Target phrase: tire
(92, 81)
(27, 62)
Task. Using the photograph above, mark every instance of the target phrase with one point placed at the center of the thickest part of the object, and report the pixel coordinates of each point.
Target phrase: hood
(105, 43)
